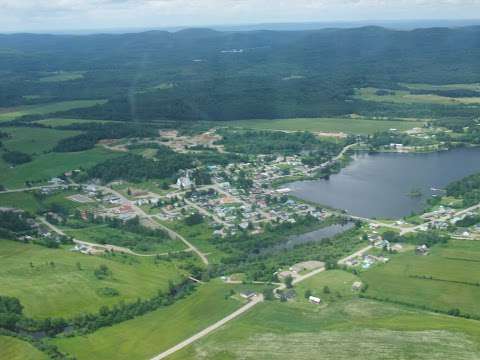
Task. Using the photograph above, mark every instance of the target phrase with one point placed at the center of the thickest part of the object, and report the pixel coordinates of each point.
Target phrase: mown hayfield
(34, 140)
(43, 109)
(345, 125)
(455, 273)
(69, 287)
(46, 166)
(103, 234)
(145, 336)
(20, 200)
(345, 329)
(16, 349)
(405, 97)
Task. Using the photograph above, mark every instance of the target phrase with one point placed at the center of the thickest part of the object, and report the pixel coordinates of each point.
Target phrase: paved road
(258, 299)
(107, 247)
(34, 188)
(154, 224)
(354, 255)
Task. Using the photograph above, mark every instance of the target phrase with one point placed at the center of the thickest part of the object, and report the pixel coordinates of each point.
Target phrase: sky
(61, 15)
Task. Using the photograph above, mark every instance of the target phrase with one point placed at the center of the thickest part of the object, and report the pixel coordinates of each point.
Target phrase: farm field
(46, 166)
(365, 329)
(69, 286)
(451, 278)
(43, 109)
(405, 97)
(345, 125)
(15, 349)
(150, 334)
(34, 140)
(61, 76)
(103, 234)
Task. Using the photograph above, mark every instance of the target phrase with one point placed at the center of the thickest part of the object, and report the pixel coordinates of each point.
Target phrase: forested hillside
(210, 75)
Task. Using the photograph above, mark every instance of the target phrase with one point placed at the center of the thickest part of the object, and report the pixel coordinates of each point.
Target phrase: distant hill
(220, 75)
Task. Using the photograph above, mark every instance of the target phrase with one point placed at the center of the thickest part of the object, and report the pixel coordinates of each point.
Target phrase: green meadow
(145, 336)
(15, 349)
(61, 283)
(43, 109)
(46, 166)
(34, 140)
(344, 327)
(449, 278)
(346, 125)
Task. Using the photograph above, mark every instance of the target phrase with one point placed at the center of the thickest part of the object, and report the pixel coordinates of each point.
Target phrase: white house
(314, 300)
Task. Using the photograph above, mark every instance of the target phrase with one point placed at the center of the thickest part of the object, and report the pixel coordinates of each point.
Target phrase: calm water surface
(378, 185)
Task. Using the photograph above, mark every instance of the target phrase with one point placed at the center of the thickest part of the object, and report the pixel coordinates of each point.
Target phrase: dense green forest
(192, 75)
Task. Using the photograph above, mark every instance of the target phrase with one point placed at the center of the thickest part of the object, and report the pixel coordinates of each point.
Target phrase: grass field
(67, 290)
(148, 335)
(449, 265)
(103, 234)
(43, 109)
(46, 166)
(64, 122)
(199, 235)
(473, 86)
(345, 125)
(16, 349)
(63, 76)
(404, 97)
(34, 140)
(349, 328)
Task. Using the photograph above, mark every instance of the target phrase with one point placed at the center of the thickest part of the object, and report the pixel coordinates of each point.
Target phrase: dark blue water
(379, 185)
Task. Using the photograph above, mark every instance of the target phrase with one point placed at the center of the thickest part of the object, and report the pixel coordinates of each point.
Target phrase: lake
(380, 185)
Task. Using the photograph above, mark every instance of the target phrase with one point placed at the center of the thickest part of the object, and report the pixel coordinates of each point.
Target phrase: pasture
(150, 334)
(49, 108)
(345, 125)
(46, 166)
(345, 328)
(15, 349)
(61, 283)
(34, 140)
(445, 279)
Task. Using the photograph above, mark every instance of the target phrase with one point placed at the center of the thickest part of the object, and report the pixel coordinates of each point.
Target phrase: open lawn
(49, 108)
(15, 349)
(405, 97)
(345, 125)
(148, 335)
(349, 328)
(46, 166)
(452, 273)
(69, 286)
(28, 202)
(103, 234)
(34, 140)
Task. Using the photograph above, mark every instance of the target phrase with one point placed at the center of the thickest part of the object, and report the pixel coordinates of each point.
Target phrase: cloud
(70, 14)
